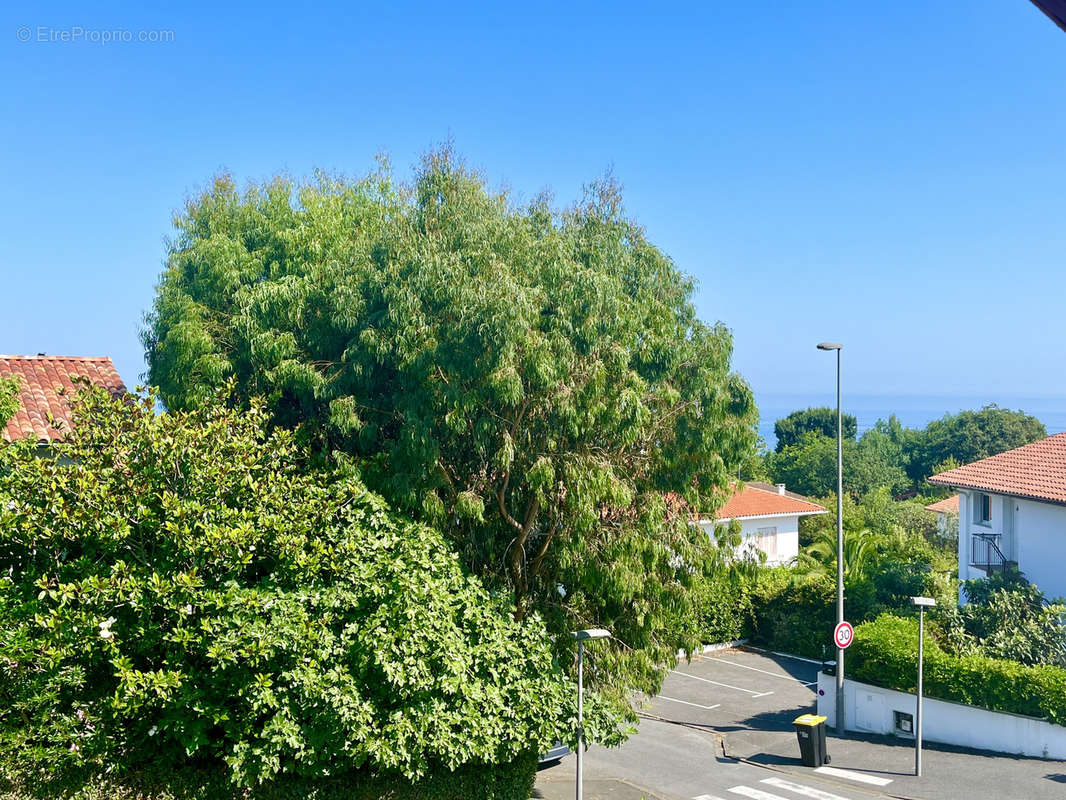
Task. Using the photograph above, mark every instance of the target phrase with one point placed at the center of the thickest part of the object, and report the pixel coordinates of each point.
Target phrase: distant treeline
(889, 454)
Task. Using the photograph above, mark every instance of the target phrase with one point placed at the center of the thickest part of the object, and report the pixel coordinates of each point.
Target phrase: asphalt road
(721, 728)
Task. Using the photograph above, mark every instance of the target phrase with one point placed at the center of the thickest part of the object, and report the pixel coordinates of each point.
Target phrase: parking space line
(873, 780)
(716, 683)
(686, 702)
(783, 655)
(756, 669)
(806, 791)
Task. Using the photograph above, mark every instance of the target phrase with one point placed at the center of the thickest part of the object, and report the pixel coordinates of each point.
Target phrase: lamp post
(840, 541)
(582, 637)
(923, 603)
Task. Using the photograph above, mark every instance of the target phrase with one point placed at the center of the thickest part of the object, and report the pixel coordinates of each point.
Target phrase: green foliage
(970, 436)
(1007, 617)
(885, 653)
(525, 379)
(725, 606)
(820, 556)
(9, 399)
(891, 553)
(512, 781)
(810, 465)
(180, 588)
(889, 455)
(823, 421)
(795, 615)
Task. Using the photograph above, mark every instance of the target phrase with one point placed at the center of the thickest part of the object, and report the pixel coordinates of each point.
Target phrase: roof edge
(989, 490)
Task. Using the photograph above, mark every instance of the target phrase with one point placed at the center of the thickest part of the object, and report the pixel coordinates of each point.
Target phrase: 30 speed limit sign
(843, 634)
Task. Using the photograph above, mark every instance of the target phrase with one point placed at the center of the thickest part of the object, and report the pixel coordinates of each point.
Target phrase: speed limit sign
(843, 634)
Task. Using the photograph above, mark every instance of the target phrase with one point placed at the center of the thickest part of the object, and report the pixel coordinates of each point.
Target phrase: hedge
(513, 781)
(884, 653)
(794, 617)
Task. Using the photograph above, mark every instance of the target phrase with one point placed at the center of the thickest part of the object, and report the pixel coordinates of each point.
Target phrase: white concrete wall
(787, 536)
(869, 709)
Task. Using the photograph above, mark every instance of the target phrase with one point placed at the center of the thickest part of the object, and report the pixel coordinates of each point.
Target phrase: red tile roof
(1036, 471)
(754, 501)
(39, 378)
(949, 505)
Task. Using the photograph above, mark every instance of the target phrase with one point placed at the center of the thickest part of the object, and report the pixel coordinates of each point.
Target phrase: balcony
(986, 552)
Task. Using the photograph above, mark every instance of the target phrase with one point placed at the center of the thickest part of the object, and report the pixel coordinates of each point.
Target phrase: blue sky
(888, 175)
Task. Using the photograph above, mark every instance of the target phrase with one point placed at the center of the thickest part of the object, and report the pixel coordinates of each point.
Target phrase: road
(722, 728)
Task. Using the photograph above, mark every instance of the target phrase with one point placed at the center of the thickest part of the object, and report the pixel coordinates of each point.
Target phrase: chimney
(780, 488)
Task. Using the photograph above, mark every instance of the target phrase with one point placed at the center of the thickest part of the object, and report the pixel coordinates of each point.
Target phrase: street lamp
(582, 637)
(922, 603)
(840, 541)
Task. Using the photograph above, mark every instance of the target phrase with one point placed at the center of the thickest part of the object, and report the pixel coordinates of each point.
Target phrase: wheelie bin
(810, 731)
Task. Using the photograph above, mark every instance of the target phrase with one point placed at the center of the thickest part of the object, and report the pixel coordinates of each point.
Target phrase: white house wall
(1033, 534)
(787, 536)
(1041, 552)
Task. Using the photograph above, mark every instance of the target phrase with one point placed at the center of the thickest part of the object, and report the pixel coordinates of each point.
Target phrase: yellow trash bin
(810, 731)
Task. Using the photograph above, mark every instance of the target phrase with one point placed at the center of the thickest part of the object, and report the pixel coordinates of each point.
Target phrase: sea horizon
(912, 410)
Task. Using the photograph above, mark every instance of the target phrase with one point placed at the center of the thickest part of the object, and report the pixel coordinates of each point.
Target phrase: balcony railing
(986, 553)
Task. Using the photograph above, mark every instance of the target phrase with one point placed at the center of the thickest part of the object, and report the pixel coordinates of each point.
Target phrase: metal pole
(580, 713)
(840, 555)
(918, 708)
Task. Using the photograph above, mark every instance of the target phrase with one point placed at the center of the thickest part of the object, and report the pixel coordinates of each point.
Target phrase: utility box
(810, 732)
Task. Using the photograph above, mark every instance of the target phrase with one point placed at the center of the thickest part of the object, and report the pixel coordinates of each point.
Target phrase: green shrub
(181, 589)
(794, 615)
(513, 781)
(885, 653)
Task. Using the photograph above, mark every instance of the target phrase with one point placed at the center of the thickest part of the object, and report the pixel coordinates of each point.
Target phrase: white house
(947, 515)
(769, 519)
(1012, 514)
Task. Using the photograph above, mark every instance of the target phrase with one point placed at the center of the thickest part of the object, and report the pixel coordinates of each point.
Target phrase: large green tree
(970, 436)
(528, 380)
(791, 429)
(810, 465)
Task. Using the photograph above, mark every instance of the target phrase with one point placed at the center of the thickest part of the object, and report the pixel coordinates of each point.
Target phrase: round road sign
(843, 635)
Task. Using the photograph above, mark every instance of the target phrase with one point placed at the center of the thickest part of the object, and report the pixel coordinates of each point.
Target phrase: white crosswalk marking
(806, 791)
(706, 797)
(755, 794)
(847, 774)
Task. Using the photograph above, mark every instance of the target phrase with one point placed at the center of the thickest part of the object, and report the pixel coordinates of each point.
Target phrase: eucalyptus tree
(530, 380)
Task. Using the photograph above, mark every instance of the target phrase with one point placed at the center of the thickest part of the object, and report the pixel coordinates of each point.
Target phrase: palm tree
(820, 556)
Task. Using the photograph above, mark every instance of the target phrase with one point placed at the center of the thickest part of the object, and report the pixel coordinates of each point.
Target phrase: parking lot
(740, 692)
(751, 696)
(722, 726)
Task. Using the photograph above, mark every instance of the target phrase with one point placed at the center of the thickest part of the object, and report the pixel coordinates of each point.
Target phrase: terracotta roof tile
(754, 501)
(1036, 471)
(949, 505)
(40, 377)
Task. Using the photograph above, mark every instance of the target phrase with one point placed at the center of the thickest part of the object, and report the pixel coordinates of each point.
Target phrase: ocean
(913, 411)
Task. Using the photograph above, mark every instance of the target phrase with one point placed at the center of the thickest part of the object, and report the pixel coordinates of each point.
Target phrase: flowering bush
(185, 589)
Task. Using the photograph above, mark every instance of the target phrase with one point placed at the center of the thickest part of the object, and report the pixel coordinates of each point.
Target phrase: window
(983, 509)
(768, 541)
